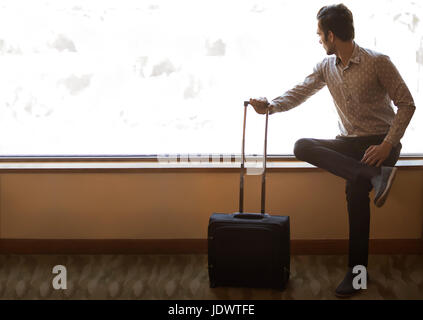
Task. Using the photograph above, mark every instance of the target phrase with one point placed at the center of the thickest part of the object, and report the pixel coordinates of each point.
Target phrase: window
(153, 77)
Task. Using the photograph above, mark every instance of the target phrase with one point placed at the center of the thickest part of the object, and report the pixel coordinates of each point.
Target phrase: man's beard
(330, 51)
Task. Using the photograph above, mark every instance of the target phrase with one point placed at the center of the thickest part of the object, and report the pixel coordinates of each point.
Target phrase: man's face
(328, 44)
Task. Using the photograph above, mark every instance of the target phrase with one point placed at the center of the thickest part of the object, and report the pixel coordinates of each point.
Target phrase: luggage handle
(263, 178)
(253, 216)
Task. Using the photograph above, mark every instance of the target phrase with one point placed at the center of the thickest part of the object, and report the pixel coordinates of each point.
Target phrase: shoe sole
(346, 295)
(339, 295)
(381, 200)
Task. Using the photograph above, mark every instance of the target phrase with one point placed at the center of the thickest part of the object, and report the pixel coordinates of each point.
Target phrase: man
(362, 83)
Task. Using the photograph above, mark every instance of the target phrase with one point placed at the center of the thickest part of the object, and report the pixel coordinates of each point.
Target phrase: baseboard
(191, 246)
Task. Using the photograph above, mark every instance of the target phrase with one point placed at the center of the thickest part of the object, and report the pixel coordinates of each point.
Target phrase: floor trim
(191, 246)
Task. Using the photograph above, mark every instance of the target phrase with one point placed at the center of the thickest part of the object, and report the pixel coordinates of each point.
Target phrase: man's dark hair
(338, 19)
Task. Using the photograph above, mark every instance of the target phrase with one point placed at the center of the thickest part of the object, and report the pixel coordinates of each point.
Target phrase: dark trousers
(341, 157)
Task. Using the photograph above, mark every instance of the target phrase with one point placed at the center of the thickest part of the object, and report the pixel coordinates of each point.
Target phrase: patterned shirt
(362, 92)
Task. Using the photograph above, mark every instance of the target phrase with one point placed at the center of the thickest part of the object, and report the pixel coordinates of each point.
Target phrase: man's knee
(359, 189)
(301, 148)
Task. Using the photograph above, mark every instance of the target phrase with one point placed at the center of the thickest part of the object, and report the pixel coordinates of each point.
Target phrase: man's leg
(339, 156)
(342, 158)
(358, 204)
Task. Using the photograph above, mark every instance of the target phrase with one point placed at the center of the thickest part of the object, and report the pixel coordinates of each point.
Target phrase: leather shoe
(345, 289)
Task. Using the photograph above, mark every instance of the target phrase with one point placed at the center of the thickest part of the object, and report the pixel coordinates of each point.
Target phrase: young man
(362, 83)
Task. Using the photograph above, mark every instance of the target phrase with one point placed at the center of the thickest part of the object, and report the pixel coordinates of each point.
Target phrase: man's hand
(260, 105)
(377, 154)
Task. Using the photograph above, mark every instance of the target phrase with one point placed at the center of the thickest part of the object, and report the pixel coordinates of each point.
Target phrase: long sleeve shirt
(362, 91)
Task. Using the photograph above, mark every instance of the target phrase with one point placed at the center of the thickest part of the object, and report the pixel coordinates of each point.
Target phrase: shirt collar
(355, 57)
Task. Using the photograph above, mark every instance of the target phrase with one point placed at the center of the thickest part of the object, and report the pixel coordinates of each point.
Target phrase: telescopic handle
(263, 178)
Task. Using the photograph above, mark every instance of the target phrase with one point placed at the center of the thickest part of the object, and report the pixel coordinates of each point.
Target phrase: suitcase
(249, 249)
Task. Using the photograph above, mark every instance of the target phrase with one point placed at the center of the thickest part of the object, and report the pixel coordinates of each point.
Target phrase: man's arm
(300, 93)
(398, 92)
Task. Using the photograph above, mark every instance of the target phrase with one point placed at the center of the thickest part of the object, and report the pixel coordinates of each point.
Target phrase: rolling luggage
(249, 249)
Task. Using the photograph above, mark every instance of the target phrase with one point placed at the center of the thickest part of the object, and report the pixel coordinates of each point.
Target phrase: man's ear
(331, 36)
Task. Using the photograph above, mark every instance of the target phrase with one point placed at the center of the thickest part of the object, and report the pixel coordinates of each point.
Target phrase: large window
(152, 77)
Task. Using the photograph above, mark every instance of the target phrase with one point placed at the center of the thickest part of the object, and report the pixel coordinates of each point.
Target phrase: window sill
(154, 166)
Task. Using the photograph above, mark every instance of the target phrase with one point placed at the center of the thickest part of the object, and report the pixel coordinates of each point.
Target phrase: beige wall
(170, 205)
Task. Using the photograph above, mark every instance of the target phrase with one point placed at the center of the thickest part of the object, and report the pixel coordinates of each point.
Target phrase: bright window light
(85, 77)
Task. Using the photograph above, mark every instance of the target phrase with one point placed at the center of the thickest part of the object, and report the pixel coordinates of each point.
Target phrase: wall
(177, 205)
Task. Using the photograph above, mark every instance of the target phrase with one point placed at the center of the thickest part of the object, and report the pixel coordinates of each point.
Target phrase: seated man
(362, 83)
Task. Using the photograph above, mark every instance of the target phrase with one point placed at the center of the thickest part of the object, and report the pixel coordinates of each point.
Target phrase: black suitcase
(249, 249)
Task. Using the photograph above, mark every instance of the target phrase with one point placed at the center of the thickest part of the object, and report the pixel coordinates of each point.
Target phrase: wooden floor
(186, 277)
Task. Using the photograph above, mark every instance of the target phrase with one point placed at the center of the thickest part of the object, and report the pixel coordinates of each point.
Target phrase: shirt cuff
(272, 108)
(390, 140)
